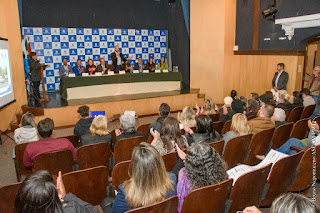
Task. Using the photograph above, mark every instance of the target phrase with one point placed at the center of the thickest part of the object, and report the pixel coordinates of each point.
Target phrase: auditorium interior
(238, 79)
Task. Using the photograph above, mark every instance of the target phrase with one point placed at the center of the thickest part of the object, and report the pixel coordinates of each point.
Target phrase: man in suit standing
(102, 67)
(65, 68)
(117, 59)
(280, 80)
(35, 70)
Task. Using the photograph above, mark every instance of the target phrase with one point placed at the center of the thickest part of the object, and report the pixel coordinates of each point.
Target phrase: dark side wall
(267, 28)
(136, 14)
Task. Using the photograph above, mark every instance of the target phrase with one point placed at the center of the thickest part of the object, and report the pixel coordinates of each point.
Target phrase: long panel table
(120, 84)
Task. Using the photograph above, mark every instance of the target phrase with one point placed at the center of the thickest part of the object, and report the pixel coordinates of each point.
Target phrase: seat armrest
(295, 148)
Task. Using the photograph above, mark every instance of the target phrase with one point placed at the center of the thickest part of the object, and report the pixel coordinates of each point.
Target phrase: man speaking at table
(117, 59)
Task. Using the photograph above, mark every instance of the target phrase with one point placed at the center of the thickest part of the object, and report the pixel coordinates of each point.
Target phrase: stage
(64, 113)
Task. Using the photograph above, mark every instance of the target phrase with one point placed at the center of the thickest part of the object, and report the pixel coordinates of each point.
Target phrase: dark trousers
(35, 88)
(117, 68)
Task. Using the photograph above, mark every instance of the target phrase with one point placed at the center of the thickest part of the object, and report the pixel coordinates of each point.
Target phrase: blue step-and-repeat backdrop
(54, 44)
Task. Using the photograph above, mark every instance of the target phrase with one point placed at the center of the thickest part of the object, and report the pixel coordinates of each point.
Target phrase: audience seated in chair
(264, 99)
(128, 127)
(227, 113)
(296, 99)
(279, 117)
(187, 117)
(307, 99)
(38, 193)
(46, 143)
(233, 94)
(289, 203)
(255, 96)
(149, 182)
(244, 101)
(164, 111)
(27, 131)
(263, 121)
(170, 135)
(239, 126)
(83, 125)
(284, 101)
(196, 173)
(207, 109)
(98, 132)
(253, 108)
(204, 131)
(304, 143)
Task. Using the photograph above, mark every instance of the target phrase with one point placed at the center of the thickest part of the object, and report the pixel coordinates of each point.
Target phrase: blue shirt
(120, 203)
(76, 70)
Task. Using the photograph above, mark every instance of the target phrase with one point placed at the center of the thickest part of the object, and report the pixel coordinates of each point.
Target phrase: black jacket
(73, 204)
(282, 81)
(156, 126)
(203, 137)
(114, 59)
(82, 127)
(285, 106)
(35, 70)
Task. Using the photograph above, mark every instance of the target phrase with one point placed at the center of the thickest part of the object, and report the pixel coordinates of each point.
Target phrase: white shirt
(66, 67)
(118, 59)
(277, 79)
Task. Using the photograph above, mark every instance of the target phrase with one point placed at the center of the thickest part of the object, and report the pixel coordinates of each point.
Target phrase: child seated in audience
(128, 127)
(204, 131)
(187, 117)
(304, 143)
(149, 182)
(239, 126)
(289, 203)
(83, 125)
(38, 193)
(203, 167)
(207, 109)
(27, 131)
(164, 111)
(46, 143)
(98, 132)
(170, 135)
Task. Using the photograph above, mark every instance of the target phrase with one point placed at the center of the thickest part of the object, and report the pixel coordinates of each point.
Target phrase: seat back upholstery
(144, 129)
(300, 129)
(305, 170)
(295, 114)
(54, 162)
(218, 146)
(8, 196)
(167, 206)
(120, 173)
(123, 148)
(237, 150)
(215, 117)
(218, 126)
(20, 168)
(170, 160)
(90, 185)
(226, 127)
(281, 177)
(287, 112)
(208, 199)
(73, 139)
(281, 135)
(248, 189)
(259, 145)
(93, 155)
(307, 111)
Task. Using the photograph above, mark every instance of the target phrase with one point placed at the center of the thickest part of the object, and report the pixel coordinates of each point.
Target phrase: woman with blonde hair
(27, 131)
(207, 109)
(239, 126)
(98, 132)
(187, 117)
(284, 102)
(149, 182)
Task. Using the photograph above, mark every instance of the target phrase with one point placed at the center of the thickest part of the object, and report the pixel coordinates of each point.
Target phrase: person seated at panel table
(162, 65)
(127, 67)
(117, 59)
(139, 65)
(90, 68)
(78, 69)
(151, 66)
(102, 67)
(65, 68)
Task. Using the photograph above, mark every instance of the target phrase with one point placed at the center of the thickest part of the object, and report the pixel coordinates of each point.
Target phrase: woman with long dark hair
(170, 135)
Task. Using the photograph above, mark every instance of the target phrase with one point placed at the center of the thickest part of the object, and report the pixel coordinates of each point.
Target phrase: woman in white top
(27, 132)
